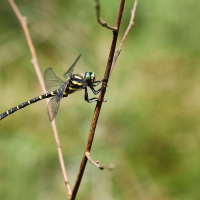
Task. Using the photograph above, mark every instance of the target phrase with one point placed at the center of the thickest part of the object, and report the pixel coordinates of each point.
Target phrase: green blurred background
(149, 127)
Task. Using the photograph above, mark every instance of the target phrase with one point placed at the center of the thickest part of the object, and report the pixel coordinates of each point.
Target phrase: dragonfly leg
(87, 98)
(97, 91)
(98, 82)
(92, 100)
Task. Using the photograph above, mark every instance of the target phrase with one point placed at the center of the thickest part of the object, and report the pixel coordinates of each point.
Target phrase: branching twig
(34, 61)
(99, 104)
(96, 163)
(131, 23)
(104, 24)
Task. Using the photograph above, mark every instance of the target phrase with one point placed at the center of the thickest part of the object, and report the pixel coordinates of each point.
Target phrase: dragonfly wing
(54, 103)
(69, 72)
(53, 107)
(51, 80)
(62, 89)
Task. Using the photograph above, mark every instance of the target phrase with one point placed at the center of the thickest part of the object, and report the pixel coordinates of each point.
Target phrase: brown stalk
(34, 61)
(99, 104)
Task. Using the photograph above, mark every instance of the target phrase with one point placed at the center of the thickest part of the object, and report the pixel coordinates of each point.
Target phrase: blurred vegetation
(149, 127)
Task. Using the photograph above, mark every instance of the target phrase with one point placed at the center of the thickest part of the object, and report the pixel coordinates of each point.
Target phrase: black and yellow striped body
(76, 83)
(27, 103)
(57, 89)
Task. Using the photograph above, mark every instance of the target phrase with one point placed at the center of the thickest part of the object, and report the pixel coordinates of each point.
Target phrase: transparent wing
(54, 103)
(53, 107)
(69, 72)
(51, 80)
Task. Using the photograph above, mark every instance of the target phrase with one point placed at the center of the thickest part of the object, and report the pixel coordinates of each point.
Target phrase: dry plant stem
(104, 24)
(131, 23)
(96, 163)
(98, 105)
(23, 23)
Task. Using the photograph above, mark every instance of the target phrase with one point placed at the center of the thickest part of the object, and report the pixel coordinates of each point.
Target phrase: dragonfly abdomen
(27, 103)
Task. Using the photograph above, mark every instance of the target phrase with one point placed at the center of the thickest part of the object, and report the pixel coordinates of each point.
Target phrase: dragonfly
(58, 88)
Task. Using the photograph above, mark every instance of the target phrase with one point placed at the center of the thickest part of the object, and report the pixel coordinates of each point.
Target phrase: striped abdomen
(12, 110)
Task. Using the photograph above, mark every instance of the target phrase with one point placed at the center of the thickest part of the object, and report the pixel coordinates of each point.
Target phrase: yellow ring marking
(77, 77)
(76, 83)
(72, 88)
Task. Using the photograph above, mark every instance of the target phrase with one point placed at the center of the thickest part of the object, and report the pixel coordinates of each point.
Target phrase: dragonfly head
(90, 77)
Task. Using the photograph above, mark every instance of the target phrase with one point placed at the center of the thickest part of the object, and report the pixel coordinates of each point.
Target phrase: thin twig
(34, 61)
(96, 163)
(131, 23)
(104, 24)
(99, 104)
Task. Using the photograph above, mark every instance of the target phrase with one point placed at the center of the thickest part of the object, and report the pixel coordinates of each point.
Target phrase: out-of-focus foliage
(149, 127)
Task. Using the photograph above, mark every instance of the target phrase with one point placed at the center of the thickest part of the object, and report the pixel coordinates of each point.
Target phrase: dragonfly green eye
(90, 77)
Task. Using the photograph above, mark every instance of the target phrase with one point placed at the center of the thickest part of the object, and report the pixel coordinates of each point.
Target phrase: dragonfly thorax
(89, 78)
